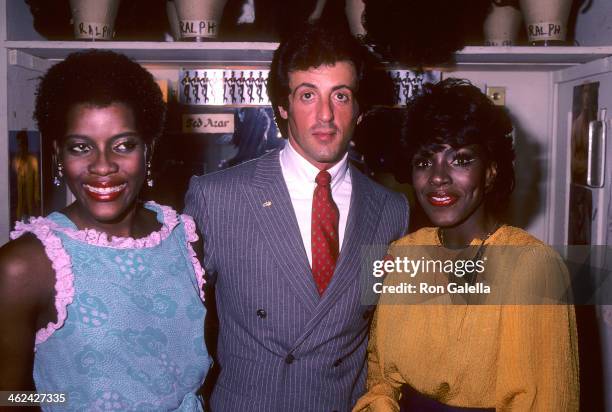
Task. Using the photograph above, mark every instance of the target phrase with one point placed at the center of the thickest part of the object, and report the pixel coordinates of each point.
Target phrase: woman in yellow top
(457, 151)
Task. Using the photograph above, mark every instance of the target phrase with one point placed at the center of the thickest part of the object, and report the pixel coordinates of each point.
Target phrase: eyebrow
(117, 136)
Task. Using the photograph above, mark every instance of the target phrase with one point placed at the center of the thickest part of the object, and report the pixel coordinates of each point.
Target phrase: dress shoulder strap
(43, 229)
(191, 236)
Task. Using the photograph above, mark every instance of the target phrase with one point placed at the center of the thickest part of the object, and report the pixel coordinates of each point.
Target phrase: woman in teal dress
(103, 301)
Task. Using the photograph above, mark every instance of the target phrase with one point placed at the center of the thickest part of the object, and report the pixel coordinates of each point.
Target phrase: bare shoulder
(26, 274)
(22, 255)
(27, 289)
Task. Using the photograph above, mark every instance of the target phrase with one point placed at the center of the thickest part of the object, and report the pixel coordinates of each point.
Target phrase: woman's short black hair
(313, 45)
(454, 112)
(99, 78)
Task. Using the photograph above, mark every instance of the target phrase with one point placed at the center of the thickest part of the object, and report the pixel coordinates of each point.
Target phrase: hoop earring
(150, 181)
(58, 174)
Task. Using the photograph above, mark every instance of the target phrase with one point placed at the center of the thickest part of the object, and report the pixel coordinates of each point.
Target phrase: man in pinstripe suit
(288, 342)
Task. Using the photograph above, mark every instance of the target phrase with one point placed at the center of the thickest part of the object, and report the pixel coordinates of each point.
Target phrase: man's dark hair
(454, 112)
(312, 46)
(99, 78)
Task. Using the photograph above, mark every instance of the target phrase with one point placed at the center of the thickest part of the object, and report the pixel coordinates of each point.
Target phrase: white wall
(529, 101)
(20, 22)
(594, 25)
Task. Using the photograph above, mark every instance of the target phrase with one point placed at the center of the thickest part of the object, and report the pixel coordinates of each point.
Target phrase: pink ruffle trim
(96, 238)
(62, 265)
(192, 236)
(43, 229)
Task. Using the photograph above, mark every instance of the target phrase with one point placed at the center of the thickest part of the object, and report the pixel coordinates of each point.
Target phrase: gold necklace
(471, 279)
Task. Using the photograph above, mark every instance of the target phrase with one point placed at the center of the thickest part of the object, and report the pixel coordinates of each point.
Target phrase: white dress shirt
(299, 175)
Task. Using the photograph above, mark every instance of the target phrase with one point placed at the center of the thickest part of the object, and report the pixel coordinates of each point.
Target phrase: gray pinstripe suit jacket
(281, 346)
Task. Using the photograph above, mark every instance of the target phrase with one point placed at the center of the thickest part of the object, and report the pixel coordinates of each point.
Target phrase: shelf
(529, 58)
(258, 53)
(532, 55)
(157, 52)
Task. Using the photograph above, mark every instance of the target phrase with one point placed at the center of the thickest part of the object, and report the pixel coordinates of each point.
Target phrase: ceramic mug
(354, 14)
(546, 20)
(175, 28)
(199, 19)
(501, 27)
(94, 19)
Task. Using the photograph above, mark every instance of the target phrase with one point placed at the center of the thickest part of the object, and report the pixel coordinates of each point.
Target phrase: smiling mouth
(105, 190)
(104, 193)
(441, 200)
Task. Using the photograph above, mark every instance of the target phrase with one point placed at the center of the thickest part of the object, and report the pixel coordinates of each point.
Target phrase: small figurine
(195, 85)
(240, 82)
(259, 85)
(186, 82)
(204, 85)
(250, 83)
(231, 82)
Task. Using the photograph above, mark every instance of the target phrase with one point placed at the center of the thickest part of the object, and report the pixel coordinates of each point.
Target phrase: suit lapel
(362, 221)
(364, 213)
(271, 205)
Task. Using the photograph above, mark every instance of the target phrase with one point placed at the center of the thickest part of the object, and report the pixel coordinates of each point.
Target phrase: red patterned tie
(324, 235)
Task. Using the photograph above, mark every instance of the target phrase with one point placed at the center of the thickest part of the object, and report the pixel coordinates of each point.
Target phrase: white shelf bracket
(20, 59)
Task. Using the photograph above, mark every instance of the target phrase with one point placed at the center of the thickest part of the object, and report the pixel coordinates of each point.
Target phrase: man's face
(322, 112)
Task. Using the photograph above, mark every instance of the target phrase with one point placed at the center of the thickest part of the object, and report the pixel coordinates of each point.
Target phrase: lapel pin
(267, 203)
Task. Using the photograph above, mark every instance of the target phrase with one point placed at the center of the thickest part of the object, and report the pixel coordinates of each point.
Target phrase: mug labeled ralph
(199, 18)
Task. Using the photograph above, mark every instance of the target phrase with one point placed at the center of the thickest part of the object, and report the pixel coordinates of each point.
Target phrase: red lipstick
(104, 191)
(441, 199)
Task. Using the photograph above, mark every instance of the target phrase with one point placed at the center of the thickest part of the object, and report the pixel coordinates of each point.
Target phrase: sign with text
(93, 31)
(208, 123)
(546, 31)
(198, 28)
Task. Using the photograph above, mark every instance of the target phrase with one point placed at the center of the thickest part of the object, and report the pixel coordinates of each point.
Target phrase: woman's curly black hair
(454, 112)
(99, 78)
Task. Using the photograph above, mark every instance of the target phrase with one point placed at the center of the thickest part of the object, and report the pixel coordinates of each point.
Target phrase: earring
(149, 175)
(58, 175)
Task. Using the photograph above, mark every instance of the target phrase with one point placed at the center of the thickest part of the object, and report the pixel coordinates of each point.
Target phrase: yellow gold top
(510, 357)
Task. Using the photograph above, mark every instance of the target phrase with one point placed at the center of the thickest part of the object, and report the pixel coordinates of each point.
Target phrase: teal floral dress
(129, 334)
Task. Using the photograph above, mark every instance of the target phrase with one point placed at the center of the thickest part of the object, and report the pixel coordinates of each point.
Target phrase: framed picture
(580, 213)
(24, 174)
(245, 86)
(407, 83)
(205, 139)
(584, 110)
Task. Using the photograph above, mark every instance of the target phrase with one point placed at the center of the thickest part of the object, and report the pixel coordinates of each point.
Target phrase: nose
(103, 164)
(439, 174)
(325, 112)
